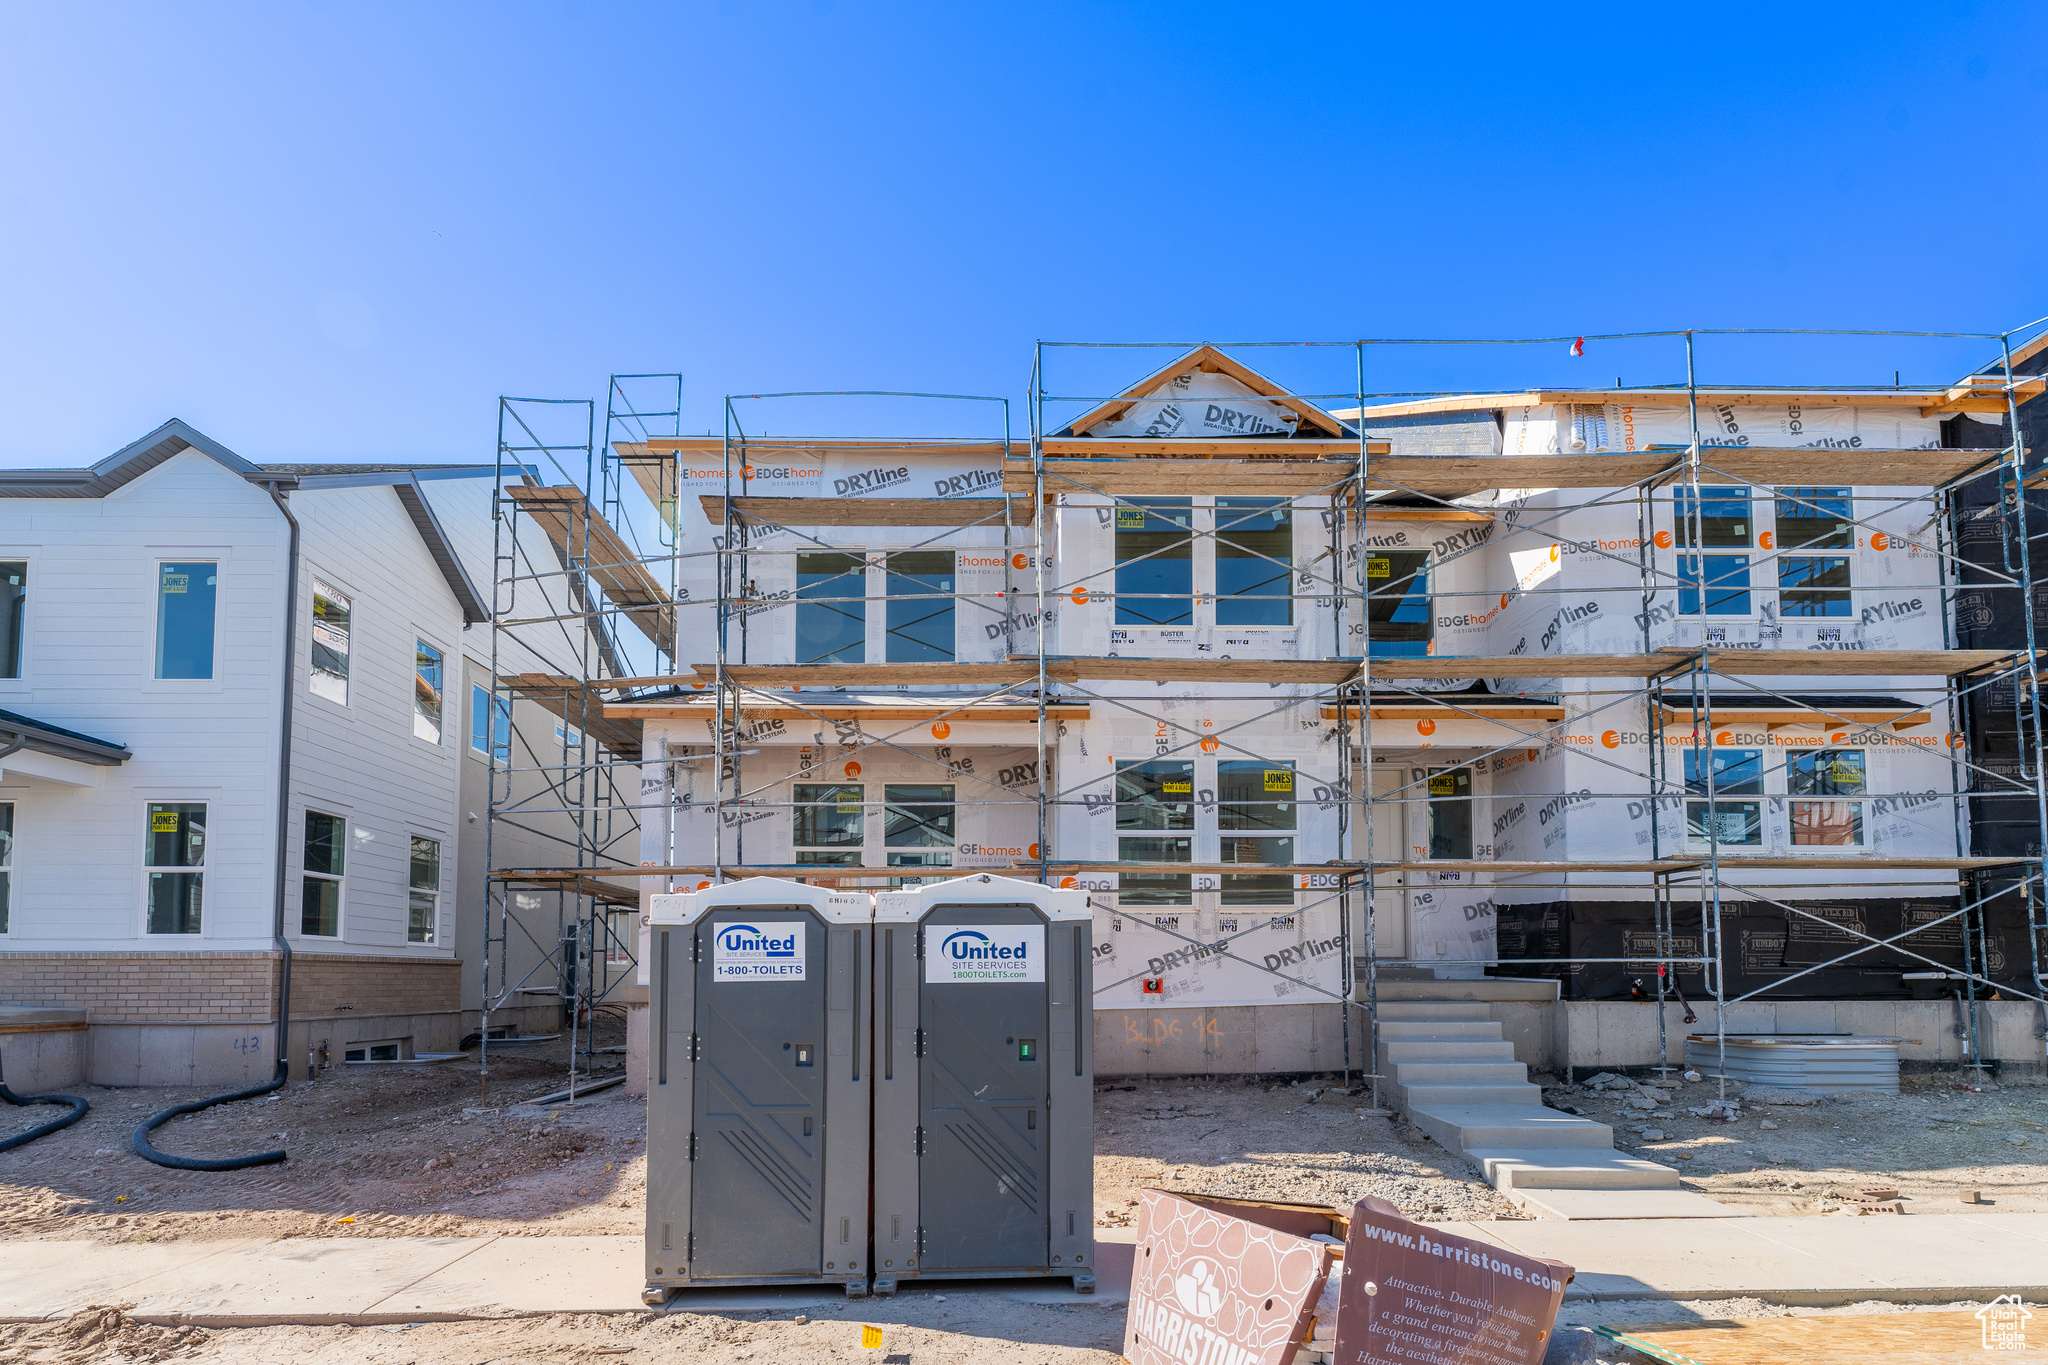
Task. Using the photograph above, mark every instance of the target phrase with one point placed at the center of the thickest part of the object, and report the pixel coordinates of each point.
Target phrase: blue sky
(341, 231)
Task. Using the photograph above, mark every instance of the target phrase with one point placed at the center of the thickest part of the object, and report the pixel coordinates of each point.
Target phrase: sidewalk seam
(371, 1307)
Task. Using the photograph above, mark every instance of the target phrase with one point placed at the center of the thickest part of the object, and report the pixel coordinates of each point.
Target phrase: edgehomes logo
(868, 480)
(985, 952)
(749, 952)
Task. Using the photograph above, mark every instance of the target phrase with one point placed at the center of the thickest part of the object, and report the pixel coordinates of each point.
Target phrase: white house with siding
(155, 877)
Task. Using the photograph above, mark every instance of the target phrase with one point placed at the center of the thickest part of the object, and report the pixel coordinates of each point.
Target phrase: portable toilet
(984, 1083)
(759, 1093)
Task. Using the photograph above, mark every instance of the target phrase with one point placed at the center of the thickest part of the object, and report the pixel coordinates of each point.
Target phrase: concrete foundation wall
(42, 1050)
(1592, 1035)
(1225, 1041)
(1585, 1036)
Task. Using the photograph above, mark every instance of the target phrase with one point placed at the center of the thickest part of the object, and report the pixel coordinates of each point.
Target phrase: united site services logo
(747, 952)
(985, 952)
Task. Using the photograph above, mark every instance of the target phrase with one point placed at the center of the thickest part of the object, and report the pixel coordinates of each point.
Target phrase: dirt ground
(411, 1150)
(1932, 1141)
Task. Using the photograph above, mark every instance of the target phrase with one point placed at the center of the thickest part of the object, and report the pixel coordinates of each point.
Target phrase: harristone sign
(1222, 1281)
(1414, 1296)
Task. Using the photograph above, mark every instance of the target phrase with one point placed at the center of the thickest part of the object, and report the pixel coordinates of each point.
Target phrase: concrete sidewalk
(369, 1280)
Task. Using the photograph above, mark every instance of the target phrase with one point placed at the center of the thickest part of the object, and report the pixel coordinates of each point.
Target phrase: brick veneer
(201, 987)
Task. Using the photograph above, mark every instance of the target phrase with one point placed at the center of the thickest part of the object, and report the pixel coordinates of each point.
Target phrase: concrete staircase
(1449, 1069)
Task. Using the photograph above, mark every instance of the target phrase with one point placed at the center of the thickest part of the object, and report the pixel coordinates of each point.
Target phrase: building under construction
(1549, 697)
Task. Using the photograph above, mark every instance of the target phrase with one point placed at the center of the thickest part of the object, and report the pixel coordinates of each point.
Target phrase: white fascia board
(51, 768)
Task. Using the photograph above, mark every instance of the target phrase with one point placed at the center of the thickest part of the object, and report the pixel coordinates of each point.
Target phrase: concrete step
(1446, 1050)
(1409, 1010)
(1570, 1168)
(1575, 1205)
(1412, 1074)
(1439, 1094)
(1515, 1127)
(1433, 1028)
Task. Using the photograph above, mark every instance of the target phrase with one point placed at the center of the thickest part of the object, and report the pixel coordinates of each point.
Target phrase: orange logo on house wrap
(1031, 852)
(940, 730)
(1880, 541)
(1839, 737)
(1020, 561)
(1067, 884)
(853, 770)
(1210, 746)
(1080, 597)
(1610, 738)
(1764, 540)
(1662, 540)
(1425, 727)
(1503, 600)
(1724, 737)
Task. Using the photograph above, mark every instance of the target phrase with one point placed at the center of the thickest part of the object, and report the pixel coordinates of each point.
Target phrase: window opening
(1827, 772)
(1155, 794)
(1155, 565)
(1251, 589)
(6, 862)
(828, 830)
(423, 891)
(426, 692)
(328, 677)
(1723, 515)
(184, 618)
(1399, 622)
(1726, 584)
(490, 724)
(1450, 813)
(832, 610)
(173, 857)
(918, 827)
(1253, 799)
(1736, 772)
(320, 884)
(13, 614)
(920, 608)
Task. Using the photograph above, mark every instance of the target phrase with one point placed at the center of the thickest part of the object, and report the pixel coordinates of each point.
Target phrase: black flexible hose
(79, 1109)
(192, 1163)
(142, 1145)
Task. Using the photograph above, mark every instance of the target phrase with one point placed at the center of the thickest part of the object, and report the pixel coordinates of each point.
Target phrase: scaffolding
(1694, 876)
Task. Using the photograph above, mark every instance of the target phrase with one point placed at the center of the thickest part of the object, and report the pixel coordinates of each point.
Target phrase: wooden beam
(577, 705)
(1204, 448)
(1648, 398)
(823, 511)
(756, 710)
(1983, 393)
(1315, 671)
(1744, 662)
(1788, 716)
(878, 675)
(577, 881)
(1447, 711)
(1269, 478)
(580, 532)
(710, 448)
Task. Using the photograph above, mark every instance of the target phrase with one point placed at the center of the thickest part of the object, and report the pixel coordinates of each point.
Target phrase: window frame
(1715, 592)
(159, 556)
(413, 889)
(851, 603)
(1795, 799)
(1748, 798)
(851, 853)
(440, 740)
(196, 870)
(478, 693)
(338, 879)
(8, 814)
(25, 629)
(1382, 647)
(1283, 564)
(325, 587)
(893, 631)
(1181, 548)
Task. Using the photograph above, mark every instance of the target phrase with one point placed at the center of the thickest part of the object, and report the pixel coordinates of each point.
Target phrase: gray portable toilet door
(982, 1173)
(757, 1185)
